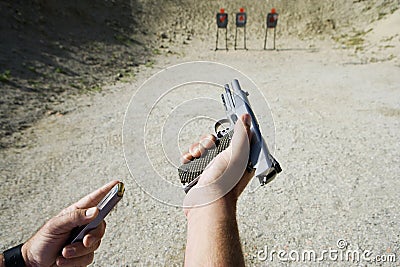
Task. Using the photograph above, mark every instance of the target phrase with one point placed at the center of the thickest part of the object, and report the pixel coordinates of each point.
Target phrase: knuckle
(75, 217)
(186, 158)
(193, 147)
(196, 150)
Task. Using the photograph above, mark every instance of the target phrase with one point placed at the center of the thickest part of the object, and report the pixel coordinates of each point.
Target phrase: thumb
(68, 221)
(242, 134)
(246, 120)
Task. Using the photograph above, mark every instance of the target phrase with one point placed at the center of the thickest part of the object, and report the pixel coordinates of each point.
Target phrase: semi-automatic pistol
(236, 104)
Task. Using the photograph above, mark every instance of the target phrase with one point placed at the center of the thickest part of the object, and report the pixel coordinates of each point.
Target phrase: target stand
(222, 24)
(272, 21)
(241, 20)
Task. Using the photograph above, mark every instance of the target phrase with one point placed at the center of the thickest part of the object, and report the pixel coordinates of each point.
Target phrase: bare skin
(213, 236)
(47, 247)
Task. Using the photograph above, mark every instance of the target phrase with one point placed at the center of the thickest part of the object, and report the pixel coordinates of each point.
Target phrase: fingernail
(186, 158)
(70, 251)
(247, 119)
(90, 212)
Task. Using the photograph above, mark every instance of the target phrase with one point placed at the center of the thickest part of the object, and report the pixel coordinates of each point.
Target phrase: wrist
(221, 209)
(25, 254)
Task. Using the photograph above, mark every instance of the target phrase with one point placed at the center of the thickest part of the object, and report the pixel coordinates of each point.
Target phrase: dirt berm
(53, 50)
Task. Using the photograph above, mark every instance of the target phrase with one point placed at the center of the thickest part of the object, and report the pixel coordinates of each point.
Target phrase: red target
(241, 18)
(222, 19)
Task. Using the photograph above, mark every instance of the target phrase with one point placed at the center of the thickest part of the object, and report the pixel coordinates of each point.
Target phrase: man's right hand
(226, 176)
(213, 236)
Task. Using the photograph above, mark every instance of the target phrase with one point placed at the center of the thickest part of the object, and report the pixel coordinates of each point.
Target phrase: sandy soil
(336, 111)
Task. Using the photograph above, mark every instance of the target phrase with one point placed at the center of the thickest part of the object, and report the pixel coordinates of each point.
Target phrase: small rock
(164, 35)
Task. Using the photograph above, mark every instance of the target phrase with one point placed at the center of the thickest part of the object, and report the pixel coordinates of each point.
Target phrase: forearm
(213, 236)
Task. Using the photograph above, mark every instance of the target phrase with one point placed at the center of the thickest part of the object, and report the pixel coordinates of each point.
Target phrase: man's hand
(213, 236)
(48, 247)
(226, 175)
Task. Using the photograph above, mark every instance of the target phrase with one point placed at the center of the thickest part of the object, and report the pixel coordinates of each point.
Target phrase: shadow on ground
(53, 48)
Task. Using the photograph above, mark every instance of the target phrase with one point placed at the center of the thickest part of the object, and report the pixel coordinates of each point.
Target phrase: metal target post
(272, 21)
(222, 23)
(241, 20)
(265, 41)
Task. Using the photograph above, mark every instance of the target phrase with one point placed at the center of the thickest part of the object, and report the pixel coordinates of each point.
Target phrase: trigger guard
(218, 124)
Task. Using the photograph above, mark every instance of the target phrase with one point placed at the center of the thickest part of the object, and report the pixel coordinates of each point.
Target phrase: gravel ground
(337, 124)
(337, 140)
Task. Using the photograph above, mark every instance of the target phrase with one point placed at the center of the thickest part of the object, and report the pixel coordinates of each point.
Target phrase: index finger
(93, 198)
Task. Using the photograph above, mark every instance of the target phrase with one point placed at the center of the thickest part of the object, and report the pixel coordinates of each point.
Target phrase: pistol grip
(191, 170)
